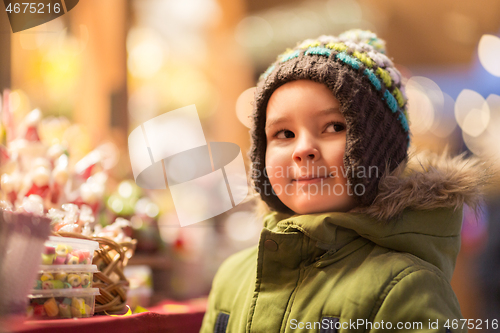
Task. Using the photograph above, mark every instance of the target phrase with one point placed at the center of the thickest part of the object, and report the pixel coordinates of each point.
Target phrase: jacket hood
(418, 210)
(428, 181)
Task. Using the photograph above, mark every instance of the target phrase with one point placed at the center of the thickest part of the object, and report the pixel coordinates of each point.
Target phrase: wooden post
(102, 102)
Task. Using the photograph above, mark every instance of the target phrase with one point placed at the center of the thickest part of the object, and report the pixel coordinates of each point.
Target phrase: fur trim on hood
(427, 181)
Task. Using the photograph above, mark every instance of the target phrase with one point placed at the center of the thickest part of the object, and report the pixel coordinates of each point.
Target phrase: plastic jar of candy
(68, 251)
(62, 303)
(65, 277)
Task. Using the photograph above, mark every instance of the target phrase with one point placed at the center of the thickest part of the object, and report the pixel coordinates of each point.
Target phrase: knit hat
(372, 100)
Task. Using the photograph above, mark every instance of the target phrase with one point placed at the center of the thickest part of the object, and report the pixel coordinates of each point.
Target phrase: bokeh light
(244, 106)
(493, 127)
(125, 189)
(489, 53)
(485, 144)
(480, 145)
(426, 102)
(145, 206)
(444, 122)
(52, 129)
(61, 66)
(146, 52)
(472, 112)
(19, 104)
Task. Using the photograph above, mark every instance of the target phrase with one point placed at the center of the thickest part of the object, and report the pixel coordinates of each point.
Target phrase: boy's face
(306, 138)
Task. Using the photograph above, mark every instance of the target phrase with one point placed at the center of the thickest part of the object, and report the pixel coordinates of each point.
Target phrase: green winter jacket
(387, 268)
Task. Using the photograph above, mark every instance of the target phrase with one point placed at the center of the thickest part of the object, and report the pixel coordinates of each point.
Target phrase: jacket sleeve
(419, 301)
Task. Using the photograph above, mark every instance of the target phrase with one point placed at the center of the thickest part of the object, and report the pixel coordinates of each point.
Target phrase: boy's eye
(284, 134)
(335, 127)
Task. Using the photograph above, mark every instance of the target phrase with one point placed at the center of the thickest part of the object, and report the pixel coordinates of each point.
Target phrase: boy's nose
(305, 154)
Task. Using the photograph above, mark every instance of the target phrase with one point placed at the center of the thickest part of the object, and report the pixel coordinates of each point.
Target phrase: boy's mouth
(311, 179)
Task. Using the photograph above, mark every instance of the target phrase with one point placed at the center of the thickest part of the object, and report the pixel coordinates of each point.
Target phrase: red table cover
(167, 316)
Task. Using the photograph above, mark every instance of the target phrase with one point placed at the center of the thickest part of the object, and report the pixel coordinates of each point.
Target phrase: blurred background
(104, 68)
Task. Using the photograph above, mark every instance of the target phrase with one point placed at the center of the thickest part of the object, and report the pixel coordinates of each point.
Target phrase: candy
(62, 250)
(64, 310)
(60, 307)
(61, 276)
(75, 312)
(55, 151)
(81, 254)
(49, 250)
(39, 191)
(40, 161)
(72, 260)
(52, 284)
(85, 278)
(67, 286)
(71, 227)
(48, 285)
(59, 261)
(51, 307)
(47, 259)
(40, 177)
(31, 134)
(46, 276)
(78, 254)
(38, 310)
(33, 202)
(90, 193)
(60, 175)
(58, 284)
(79, 304)
(7, 183)
(75, 280)
(55, 193)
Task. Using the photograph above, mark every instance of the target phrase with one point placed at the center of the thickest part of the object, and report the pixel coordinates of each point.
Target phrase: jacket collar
(432, 235)
(324, 229)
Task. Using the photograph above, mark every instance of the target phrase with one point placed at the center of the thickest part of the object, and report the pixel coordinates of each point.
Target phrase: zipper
(284, 324)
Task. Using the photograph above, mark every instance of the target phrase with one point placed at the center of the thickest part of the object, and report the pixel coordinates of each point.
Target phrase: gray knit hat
(372, 100)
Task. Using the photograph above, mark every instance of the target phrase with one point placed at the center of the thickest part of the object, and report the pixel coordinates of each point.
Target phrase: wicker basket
(110, 259)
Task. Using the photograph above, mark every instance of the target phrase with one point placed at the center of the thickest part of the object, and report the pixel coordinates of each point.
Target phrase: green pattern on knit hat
(356, 59)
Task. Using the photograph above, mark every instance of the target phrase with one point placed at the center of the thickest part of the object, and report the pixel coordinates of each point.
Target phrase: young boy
(356, 239)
